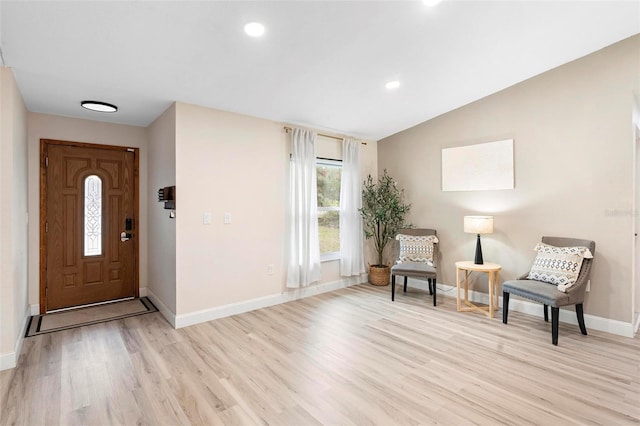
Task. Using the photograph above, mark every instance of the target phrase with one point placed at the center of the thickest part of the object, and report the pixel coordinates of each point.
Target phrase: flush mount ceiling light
(254, 29)
(98, 106)
(392, 85)
(431, 3)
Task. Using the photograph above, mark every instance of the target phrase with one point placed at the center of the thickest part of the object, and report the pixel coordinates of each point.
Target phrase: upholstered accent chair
(554, 294)
(416, 258)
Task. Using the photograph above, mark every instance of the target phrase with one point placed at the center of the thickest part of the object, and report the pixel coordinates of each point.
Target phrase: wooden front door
(88, 210)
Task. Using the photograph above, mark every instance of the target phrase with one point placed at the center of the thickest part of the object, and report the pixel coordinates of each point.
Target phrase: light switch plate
(206, 218)
(227, 218)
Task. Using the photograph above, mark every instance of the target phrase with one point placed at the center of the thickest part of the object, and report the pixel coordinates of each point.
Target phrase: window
(92, 216)
(328, 181)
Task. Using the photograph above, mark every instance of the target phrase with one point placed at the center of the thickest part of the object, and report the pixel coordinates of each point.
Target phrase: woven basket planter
(379, 275)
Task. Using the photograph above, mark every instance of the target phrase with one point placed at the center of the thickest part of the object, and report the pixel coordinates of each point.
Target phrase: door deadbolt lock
(125, 237)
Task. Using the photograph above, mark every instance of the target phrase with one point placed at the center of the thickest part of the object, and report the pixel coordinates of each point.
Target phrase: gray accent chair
(548, 294)
(416, 269)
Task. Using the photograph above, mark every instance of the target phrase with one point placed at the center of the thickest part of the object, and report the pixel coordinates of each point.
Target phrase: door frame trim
(44, 143)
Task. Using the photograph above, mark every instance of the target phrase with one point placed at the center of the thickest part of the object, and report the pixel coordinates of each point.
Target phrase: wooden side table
(491, 269)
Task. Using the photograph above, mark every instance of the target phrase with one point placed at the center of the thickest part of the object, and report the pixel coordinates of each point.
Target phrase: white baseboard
(619, 328)
(192, 318)
(166, 312)
(143, 292)
(10, 360)
(636, 323)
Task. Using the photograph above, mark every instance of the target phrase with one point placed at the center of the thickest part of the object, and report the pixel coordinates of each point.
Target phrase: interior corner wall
(574, 162)
(235, 164)
(162, 228)
(47, 126)
(13, 219)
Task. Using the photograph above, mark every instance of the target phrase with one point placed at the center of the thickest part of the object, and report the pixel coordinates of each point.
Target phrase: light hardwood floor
(350, 357)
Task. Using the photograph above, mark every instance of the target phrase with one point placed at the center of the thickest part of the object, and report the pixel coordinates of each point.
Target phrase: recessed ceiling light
(254, 29)
(431, 3)
(392, 85)
(98, 106)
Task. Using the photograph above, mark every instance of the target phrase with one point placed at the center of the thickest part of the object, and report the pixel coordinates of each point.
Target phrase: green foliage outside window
(328, 178)
(328, 184)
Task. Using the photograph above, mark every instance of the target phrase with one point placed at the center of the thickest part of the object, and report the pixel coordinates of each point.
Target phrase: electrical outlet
(588, 289)
(270, 269)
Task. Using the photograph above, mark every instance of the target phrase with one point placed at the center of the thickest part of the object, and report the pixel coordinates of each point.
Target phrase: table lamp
(478, 225)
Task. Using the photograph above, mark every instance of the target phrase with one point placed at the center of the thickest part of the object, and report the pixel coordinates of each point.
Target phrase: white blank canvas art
(481, 167)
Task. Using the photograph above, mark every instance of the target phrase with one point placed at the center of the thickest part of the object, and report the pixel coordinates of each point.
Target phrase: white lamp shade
(478, 224)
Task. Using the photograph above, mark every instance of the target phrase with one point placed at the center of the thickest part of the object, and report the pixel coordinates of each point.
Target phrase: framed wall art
(480, 167)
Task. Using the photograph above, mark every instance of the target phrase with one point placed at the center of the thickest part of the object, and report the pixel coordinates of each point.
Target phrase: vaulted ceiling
(322, 64)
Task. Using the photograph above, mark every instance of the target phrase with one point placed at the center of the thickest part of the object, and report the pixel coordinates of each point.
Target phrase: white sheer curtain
(304, 246)
(351, 234)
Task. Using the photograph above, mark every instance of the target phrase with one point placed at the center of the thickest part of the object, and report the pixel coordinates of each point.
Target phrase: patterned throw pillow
(416, 248)
(558, 265)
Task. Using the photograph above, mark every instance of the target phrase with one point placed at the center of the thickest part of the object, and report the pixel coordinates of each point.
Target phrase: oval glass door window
(92, 216)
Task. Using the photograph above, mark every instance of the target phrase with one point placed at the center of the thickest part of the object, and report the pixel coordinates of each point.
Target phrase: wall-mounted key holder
(168, 195)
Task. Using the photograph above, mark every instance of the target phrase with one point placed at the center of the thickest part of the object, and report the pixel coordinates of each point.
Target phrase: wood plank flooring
(350, 357)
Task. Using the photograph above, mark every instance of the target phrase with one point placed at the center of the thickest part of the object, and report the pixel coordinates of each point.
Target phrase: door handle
(125, 237)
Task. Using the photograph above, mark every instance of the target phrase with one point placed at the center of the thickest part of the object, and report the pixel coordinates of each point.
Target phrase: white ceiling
(321, 64)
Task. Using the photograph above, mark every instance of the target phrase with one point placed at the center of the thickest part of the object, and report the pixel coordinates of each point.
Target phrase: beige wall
(45, 126)
(162, 229)
(13, 219)
(574, 167)
(227, 162)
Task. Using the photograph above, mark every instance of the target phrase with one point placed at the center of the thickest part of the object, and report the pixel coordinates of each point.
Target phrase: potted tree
(383, 210)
